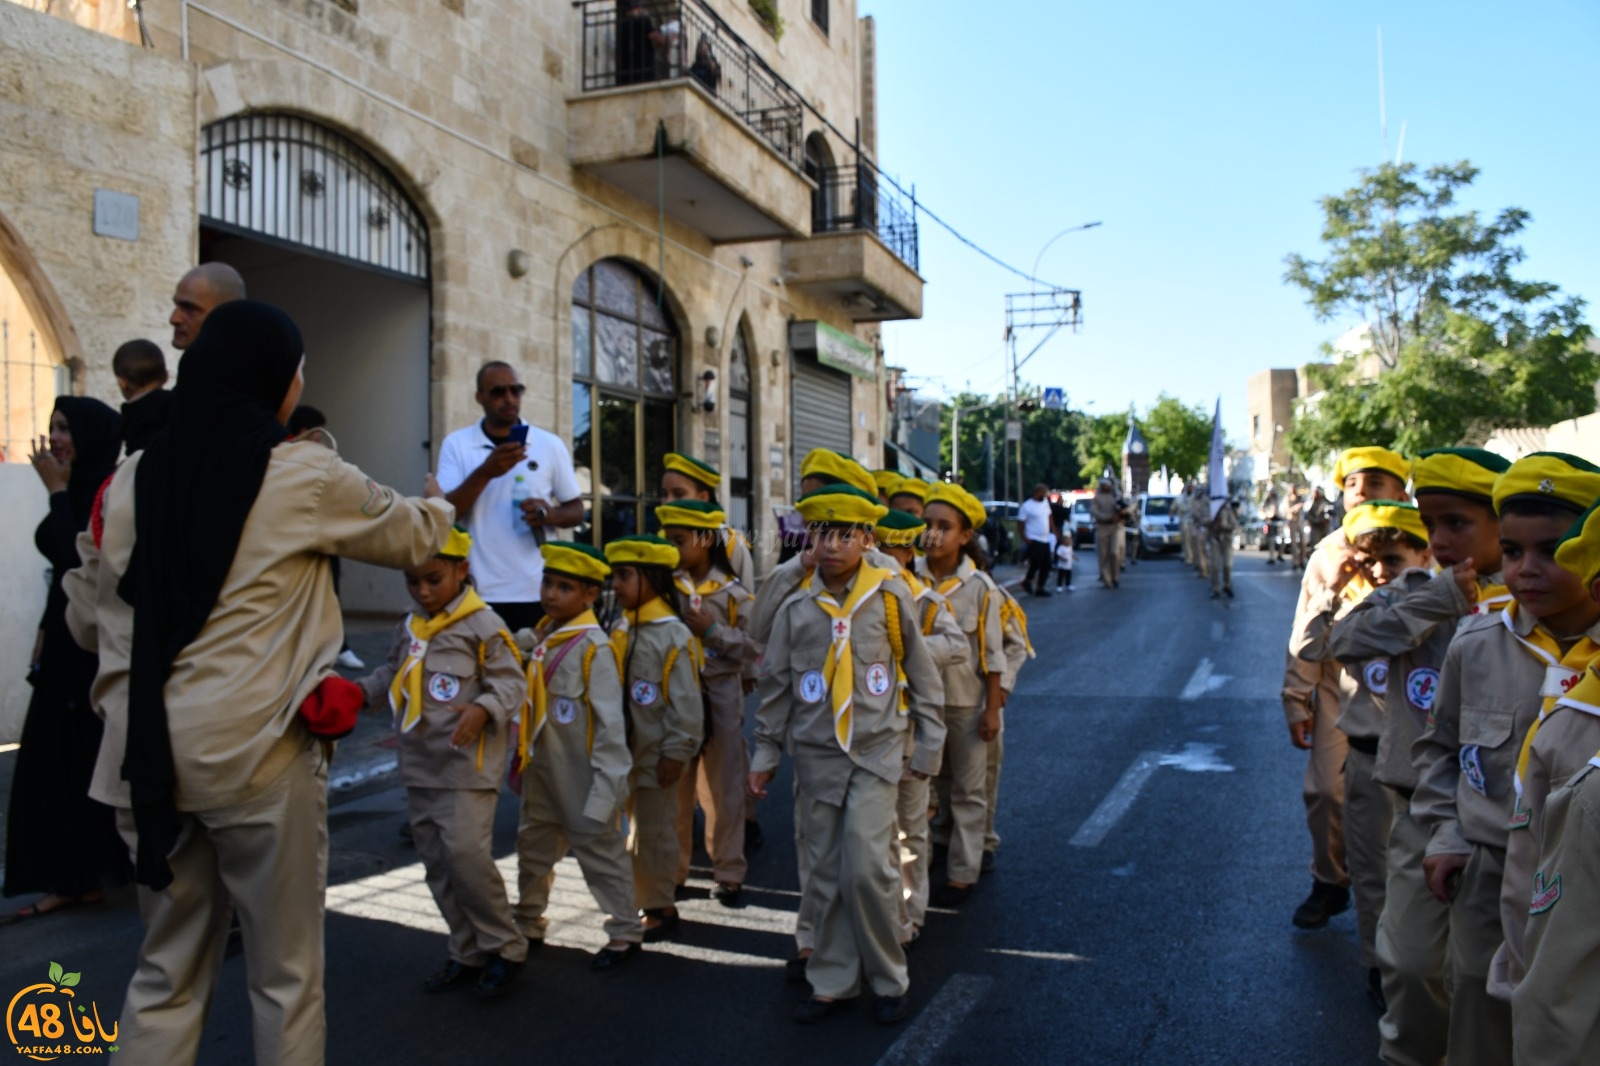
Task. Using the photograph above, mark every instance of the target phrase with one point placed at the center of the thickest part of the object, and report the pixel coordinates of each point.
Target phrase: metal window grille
(29, 384)
(293, 180)
(852, 198)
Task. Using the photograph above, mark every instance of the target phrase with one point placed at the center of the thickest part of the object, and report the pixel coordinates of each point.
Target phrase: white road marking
(1047, 956)
(923, 1038)
(1203, 681)
(8, 747)
(1117, 802)
(1197, 759)
(363, 773)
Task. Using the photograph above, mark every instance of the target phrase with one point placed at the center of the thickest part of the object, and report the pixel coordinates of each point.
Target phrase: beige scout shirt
(1306, 684)
(1363, 685)
(234, 695)
(1560, 751)
(797, 708)
(783, 582)
(1554, 1020)
(729, 650)
(1489, 694)
(580, 755)
(453, 676)
(666, 713)
(975, 597)
(1016, 652)
(1104, 510)
(739, 557)
(1411, 622)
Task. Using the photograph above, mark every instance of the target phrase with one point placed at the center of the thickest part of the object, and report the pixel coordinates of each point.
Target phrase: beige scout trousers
(542, 841)
(717, 777)
(1107, 539)
(453, 829)
(1413, 951)
(653, 843)
(997, 756)
(1367, 818)
(805, 921)
(911, 853)
(966, 757)
(854, 888)
(267, 858)
(1480, 1024)
(1219, 561)
(1323, 788)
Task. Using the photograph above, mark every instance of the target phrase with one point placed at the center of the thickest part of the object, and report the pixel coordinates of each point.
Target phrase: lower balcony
(862, 254)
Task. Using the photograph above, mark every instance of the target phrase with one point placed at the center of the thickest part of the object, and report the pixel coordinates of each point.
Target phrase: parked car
(1000, 532)
(1160, 529)
(1082, 523)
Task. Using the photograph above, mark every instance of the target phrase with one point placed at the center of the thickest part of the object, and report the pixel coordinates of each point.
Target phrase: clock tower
(1135, 460)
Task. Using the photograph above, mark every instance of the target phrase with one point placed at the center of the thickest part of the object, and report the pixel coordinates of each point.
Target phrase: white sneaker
(350, 660)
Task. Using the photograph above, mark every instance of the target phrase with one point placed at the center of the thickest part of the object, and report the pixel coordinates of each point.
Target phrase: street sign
(1054, 399)
(1013, 430)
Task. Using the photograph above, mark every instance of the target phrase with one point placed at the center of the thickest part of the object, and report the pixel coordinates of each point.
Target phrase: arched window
(819, 168)
(738, 488)
(624, 396)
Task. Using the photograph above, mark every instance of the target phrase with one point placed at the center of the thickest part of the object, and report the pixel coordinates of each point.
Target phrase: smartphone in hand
(519, 433)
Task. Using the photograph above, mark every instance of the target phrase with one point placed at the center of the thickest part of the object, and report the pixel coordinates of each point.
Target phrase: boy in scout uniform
(907, 495)
(1311, 690)
(454, 682)
(687, 478)
(1389, 541)
(1411, 623)
(898, 534)
(716, 608)
(660, 660)
(846, 674)
(1490, 692)
(574, 756)
(1557, 747)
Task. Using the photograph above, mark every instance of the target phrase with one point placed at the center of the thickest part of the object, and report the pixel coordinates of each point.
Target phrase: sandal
(33, 910)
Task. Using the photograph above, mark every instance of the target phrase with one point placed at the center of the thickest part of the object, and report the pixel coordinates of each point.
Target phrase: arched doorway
(34, 369)
(321, 228)
(819, 168)
(624, 396)
(739, 487)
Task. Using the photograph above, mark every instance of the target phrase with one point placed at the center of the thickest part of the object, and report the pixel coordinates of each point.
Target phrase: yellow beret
(693, 469)
(837, 468)
(899, 529)
(909, 486)
(959, 498)
(642, 549)
(458, 545)
(884, 479)
(1355, 460)
(1579, 551)
(1384, 514)
(691, 514)
(841, 504)
(575, 559)
(1458, 471)
(1554, 477)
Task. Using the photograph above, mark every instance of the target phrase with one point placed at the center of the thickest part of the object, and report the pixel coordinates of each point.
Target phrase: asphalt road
(1154, 848)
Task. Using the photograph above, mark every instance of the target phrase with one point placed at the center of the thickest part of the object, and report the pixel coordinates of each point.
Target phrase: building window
(819, 14)
(738, 494)
(1255, 428)
(624, 397)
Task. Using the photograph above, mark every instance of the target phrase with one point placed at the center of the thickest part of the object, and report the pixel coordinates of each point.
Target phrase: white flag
(1217, 472)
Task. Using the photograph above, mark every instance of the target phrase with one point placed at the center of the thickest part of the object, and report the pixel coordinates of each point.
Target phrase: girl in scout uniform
(1018, 650)
(954, 565)
(884, 480)
(690, 479)
(454, 682)
(716, 607)
(898, 535)
(846, 675)
(574, 755)
(907, 495)
(1411, 623)
(1491, 689)
(666, 720)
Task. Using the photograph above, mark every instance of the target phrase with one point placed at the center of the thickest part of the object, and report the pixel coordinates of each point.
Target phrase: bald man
(198, 293)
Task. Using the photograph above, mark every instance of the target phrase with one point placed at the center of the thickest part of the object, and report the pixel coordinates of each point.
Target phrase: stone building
(666, 215)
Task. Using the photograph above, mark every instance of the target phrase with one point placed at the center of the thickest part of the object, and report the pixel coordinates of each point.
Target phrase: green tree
(1179, 437)
(1100, 446)
(1049, 444)
(1461, 345)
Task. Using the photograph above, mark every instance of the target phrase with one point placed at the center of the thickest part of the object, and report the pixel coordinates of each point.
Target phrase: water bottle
(519, 493)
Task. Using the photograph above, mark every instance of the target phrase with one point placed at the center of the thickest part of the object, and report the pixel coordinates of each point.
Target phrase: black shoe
(952, 896)
(752, 836)
(1229, 591)
(1324, 902)
(987, 865)
(534, 944)
(453, 975)
(1216, 595)
(727, 895)
(666, 930)
(681, 893)
(794, 971)
(814, 1010)
(405, 832)
(1375, 992)
(611, 958)
(497, 977)
(890, 1010)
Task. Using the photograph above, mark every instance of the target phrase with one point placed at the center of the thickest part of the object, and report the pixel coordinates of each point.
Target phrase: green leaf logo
(55, 972)
(83, 1010)
(70, 979)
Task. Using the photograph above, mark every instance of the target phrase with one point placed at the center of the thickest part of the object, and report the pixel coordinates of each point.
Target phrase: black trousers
(1038, 565)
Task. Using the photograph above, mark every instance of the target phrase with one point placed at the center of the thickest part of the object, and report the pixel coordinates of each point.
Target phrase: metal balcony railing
(854, 198)
(636, 42)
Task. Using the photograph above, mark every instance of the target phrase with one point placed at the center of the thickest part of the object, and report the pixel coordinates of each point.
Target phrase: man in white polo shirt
(508, 492)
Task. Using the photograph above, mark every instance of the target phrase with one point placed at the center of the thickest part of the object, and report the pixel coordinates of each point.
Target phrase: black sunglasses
(499, 391)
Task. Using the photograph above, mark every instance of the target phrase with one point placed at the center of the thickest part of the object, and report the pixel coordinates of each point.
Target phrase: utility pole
(1049, 310)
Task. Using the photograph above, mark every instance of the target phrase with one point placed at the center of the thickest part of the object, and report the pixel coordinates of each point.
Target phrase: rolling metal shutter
(821, 411)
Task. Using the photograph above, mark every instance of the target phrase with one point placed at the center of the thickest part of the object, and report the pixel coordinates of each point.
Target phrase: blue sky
(1202, 137)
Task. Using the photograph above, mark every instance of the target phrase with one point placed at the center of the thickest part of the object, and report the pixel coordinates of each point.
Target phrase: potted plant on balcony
(767, 12)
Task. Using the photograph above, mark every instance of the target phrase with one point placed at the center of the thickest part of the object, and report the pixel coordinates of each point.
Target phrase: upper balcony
(862, 253)
(675, 107)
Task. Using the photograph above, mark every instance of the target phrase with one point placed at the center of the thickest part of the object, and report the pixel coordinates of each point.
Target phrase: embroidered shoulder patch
(1545, 894)
(376, 496)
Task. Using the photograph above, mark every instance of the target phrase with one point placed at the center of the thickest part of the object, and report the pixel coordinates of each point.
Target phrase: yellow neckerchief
(920, 590)
(1584, 653)
(533, 721)
(964, 570)
(1492, 595)
(405, 691)
(839, 661)
(655, 611)
(709, 587)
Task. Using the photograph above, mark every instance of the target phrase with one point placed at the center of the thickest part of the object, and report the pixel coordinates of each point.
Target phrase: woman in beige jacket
(217, 538)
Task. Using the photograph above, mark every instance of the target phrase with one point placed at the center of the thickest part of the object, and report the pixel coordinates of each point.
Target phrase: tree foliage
(1100, 446)
(1179, 437)
(1462, 346)
(1049, 445)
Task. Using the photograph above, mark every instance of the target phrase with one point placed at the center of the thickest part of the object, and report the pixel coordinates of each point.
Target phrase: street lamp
(1070, 229)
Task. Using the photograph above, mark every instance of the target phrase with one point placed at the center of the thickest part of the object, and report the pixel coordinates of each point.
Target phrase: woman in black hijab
(58, 840)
